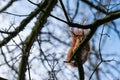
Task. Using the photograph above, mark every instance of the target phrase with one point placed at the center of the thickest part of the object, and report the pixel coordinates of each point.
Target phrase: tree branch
(8, 5)
(41, 20)
(80, 66)
(65, 12)
(94, 6)
(22, 25)
(110, 17)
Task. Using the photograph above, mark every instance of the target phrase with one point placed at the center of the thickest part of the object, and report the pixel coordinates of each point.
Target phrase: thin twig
(29, 71)
(95, 70)
(65, 12)
(80, 67)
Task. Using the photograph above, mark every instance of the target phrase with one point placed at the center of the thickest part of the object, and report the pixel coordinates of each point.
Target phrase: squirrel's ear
(72, 33)
(82, 31)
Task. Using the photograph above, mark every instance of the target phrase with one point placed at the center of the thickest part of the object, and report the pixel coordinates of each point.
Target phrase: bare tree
(35, 39)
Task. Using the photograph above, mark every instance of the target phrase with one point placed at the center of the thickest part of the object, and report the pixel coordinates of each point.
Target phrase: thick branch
(110, 17)
(80, 67)
(41, 20)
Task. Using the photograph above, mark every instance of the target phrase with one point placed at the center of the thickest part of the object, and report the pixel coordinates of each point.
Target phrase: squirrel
(77, 36)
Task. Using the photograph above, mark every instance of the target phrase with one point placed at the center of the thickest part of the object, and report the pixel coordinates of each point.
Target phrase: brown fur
(77, 36)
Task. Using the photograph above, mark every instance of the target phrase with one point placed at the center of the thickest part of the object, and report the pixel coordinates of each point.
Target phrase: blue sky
(60, 30)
